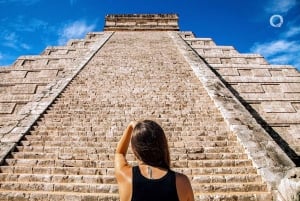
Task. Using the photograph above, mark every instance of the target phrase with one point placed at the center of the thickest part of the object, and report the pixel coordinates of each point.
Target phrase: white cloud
(25, 46)
(279, 51)
(293, 31)
(23, 23)
(74, 30)
(280, 6)
(12, 40)
(276, 47)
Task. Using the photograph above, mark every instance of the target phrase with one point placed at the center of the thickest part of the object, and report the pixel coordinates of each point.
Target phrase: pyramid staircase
(68, 152)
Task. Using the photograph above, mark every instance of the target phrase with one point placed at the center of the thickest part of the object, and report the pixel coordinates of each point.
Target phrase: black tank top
(144, 189)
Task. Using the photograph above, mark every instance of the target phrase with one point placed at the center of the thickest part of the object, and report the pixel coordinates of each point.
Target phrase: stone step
(56, 170)
(65, 125)
(62, 187)
(107, 156)
(113, 188)
(229, 187)
(98, 150)
(56, 196)
(110, 164)
(180, 144)
(65, 196)
(116, 139)
(110, 170)
(68, 143)
(240, 196)
(230, 178)
(110, 179)
(54, 178)
(65, 156)
(201, 135)
(59, 163)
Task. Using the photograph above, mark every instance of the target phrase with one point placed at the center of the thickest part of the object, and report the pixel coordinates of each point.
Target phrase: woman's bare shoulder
(182, 178)
(184, 188)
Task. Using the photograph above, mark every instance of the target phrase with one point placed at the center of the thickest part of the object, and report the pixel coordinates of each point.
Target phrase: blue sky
(29, 26)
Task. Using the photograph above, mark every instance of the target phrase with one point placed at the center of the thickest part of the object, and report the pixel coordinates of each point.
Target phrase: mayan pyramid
(232, 119)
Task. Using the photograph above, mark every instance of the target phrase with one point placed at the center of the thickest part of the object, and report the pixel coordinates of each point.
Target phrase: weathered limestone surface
(270, 91)
(272, 94)
(135, 75)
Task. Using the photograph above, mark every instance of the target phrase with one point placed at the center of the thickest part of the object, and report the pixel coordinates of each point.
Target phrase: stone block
(238, 60)
(245, 72)
(24, 89)
(278, 107)
(291, 72)
(276, 72)
(7, 108)
(290, 87)
(228, 71)
(261, 73)
(248, 88)
(282, 118)
(17, 74)
(16, 98)
(212, 60)
(272, 89)
(256, 60)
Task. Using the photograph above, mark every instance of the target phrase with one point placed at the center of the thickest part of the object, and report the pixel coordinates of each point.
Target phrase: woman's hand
(133, 124)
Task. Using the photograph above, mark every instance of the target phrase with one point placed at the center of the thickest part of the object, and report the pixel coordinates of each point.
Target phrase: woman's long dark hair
(149, 144)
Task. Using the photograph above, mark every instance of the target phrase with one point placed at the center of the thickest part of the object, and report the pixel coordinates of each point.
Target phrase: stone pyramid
(232, 119)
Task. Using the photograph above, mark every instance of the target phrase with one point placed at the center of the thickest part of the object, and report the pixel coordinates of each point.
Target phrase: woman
(152, 179)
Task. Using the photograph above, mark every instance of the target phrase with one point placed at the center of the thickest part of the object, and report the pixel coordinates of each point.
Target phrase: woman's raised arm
(122, 147)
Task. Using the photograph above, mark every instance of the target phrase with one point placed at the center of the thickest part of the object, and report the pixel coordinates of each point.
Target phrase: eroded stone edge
(268, 158)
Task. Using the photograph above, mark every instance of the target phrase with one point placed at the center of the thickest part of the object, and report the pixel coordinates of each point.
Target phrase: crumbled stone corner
(289, 187)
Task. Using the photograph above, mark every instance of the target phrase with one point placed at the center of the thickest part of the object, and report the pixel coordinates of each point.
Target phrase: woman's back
(152, 179)
(147, 189)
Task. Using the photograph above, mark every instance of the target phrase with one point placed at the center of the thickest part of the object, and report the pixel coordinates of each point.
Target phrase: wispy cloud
(13, 31)
(25, 24)
(12, 40)
(293, 31)
(276, 47)
(73, 30)
(280, 6)
(281, 50)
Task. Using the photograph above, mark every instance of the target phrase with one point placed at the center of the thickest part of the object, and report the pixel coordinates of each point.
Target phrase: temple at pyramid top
(141, 22)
